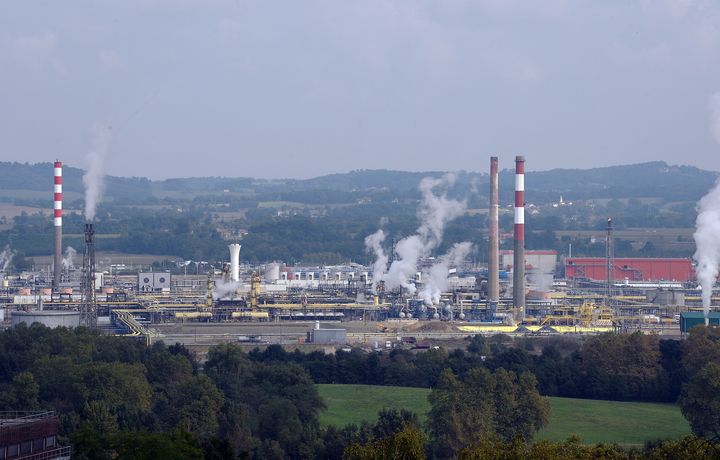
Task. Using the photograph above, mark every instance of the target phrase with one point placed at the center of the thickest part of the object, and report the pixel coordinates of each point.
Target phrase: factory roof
(699, 314)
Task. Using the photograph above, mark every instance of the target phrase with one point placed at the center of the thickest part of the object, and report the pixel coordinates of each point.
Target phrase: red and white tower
(57, 272)
(519, 247)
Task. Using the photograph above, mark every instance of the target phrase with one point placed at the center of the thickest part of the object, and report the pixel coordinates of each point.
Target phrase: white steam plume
(707, 244)
(437, 279)
(409, 250)
(93, 178)
(6, 256)
(373, 243)
(707, 225)
(435, 212)
(67, 261)
(223, 289)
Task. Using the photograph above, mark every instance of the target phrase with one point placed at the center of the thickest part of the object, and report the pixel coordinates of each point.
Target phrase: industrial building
(543, 261)
(690, 319)
(630, 268)
(31, 435)
(518, 291)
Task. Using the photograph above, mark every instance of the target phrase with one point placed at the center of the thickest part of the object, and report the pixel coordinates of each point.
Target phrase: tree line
(623, 367)
(117, 398)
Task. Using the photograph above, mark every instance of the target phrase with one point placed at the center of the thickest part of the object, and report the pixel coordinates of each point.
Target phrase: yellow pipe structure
(210, 284)
(250, 314)
(255, 284)
(192, 314)
(310, 306)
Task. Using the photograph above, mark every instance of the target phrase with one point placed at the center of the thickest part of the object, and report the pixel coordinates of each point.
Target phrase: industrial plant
(408, 293)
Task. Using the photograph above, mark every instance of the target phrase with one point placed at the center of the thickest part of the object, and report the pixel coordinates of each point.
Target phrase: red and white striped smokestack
(519, 246)
(493, 239)
(57, 216)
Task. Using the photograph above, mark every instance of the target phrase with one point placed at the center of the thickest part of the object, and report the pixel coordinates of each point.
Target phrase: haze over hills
(653, 179)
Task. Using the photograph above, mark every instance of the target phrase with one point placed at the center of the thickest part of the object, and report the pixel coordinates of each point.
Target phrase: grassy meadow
(627, 423)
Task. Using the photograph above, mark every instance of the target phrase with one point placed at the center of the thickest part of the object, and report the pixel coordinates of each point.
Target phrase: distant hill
(39, 177)
(653, 179)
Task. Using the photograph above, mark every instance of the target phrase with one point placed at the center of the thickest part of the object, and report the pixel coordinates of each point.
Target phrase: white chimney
(234, 262)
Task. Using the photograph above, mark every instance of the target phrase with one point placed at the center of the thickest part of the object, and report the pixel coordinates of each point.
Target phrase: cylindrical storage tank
(24, 291)
(108, 290)
(5, 283)
(45, 291)
(49, 318)
(272, 273)
(66, 291)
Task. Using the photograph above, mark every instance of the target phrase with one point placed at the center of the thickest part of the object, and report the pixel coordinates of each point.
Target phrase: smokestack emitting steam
(435, 212)
(93, 178)
(57, 269)
(493, 236)
(436, 280)
(519, 248)
(373, 243)
(707, 225)
(234, 262)
(707, 244)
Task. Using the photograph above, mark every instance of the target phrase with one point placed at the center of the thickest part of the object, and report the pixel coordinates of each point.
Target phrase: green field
(355, 403)
(594, 421)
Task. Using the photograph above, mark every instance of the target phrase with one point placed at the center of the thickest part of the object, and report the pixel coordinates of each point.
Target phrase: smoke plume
(436, 280)
(223, 289)
(6, 256)
(707, 225)
(67, 261)
(707, 244)
(436, 210)
(93, 178)
(373, 243)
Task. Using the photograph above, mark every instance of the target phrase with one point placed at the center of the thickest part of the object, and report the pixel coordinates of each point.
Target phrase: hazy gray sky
(303, 88)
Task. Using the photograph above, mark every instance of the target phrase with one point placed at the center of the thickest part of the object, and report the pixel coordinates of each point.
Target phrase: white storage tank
(50, 318)
(272, 273)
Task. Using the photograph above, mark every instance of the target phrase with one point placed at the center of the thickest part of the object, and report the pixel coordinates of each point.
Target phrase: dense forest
(113, 394)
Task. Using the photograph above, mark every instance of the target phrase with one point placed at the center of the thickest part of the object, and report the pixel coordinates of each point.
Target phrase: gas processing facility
(516, 292)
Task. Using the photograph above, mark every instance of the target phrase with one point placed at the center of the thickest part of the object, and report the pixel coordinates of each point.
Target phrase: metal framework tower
(610, 261)
(88, 305)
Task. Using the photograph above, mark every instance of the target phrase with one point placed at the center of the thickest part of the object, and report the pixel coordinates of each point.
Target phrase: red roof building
(632, 268)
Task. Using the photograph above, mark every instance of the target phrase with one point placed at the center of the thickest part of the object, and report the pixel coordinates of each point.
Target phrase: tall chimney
(57, 269)
(493, 237)
(519, 248)
(234, 261)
